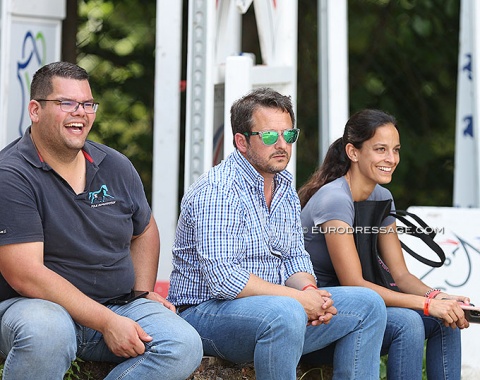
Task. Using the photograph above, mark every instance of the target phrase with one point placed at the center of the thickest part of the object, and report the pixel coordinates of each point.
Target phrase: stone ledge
(211, 368)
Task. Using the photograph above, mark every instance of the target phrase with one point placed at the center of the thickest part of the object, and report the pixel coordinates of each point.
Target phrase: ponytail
(335, 165)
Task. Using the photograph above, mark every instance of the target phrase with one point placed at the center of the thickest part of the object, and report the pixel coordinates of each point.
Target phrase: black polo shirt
(86, 236)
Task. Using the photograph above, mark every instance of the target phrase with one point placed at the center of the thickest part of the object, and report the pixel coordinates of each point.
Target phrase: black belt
(182, 308)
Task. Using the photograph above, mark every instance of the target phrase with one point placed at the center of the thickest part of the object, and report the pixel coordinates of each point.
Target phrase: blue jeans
(272, 332)
(404, 341)
(39, 340)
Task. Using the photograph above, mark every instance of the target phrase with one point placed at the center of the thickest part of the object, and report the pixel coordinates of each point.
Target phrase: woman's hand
(157, 297)
(446, 296)
(449, 311)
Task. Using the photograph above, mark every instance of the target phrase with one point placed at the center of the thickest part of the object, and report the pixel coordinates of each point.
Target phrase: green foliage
(402, 59)
(116, 45)
(73, 371)
(383, 367)
(406, 64)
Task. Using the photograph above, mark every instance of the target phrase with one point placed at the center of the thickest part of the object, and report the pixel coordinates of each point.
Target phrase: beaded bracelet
(432, 293)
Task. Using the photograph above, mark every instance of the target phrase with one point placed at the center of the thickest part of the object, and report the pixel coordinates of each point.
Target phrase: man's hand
(157, 297)
(318, 306)
(125, 337)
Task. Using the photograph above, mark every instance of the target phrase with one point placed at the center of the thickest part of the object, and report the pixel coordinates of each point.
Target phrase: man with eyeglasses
(241, 274)
(79, 249)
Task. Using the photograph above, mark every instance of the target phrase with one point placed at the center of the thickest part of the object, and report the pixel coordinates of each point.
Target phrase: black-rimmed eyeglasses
(72, 105)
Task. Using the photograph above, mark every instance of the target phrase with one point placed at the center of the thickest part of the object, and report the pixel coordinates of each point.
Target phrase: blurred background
(402, 56)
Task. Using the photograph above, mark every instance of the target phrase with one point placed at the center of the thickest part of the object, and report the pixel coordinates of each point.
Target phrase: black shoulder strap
(424, 232)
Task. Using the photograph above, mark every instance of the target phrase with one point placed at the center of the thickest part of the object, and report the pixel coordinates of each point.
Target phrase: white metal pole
(277, 24)
(200, 89)
(238, 81)
(166, 136)
(333, 71)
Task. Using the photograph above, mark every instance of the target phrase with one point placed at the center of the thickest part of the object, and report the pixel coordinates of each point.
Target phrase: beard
(268, 165)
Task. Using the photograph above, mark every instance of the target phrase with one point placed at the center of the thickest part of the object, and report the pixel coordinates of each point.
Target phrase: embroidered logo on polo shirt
(101, 197)
(3, 231)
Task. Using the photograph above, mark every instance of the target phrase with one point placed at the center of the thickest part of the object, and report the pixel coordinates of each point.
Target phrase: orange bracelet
(309, 286)
(426, 305)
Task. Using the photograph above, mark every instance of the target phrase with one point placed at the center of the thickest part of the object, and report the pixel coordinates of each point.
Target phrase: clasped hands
(318, 305)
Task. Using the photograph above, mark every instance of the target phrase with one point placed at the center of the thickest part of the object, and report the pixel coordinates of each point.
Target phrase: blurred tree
(116, 45)
(402, 59)
(307, 90)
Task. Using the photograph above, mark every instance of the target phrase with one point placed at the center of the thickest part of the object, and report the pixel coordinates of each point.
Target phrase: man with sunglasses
(77, 239)
(241, 274)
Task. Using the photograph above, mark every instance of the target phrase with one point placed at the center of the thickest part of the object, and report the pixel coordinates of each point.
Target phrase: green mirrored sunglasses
(271, 137)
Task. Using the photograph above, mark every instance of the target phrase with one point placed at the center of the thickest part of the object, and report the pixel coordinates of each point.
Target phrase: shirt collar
(253, 176)
(27, 149)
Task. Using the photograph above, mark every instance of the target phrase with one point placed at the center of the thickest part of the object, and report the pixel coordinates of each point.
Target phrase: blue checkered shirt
(226, 231)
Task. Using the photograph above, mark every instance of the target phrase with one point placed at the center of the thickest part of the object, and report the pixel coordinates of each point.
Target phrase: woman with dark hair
(355, 167)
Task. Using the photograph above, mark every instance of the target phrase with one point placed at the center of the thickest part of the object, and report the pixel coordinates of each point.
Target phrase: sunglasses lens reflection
(270, 137)
(290, 136)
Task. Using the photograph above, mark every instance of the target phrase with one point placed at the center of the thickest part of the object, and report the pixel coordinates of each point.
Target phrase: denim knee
(404, 329)
(288, 315)
(367, 304)
(188, 346)
(40, 325)
(38, 338)
(406, 323)
(180, 349)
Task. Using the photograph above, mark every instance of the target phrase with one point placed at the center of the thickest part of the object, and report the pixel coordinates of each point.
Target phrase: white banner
(30, 32)
(458, 234)
(466, 159)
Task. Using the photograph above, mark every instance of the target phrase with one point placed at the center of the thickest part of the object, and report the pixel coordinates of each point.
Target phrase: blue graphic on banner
(468, 119)
(33, 56)
(468, 66)
(468, 131)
